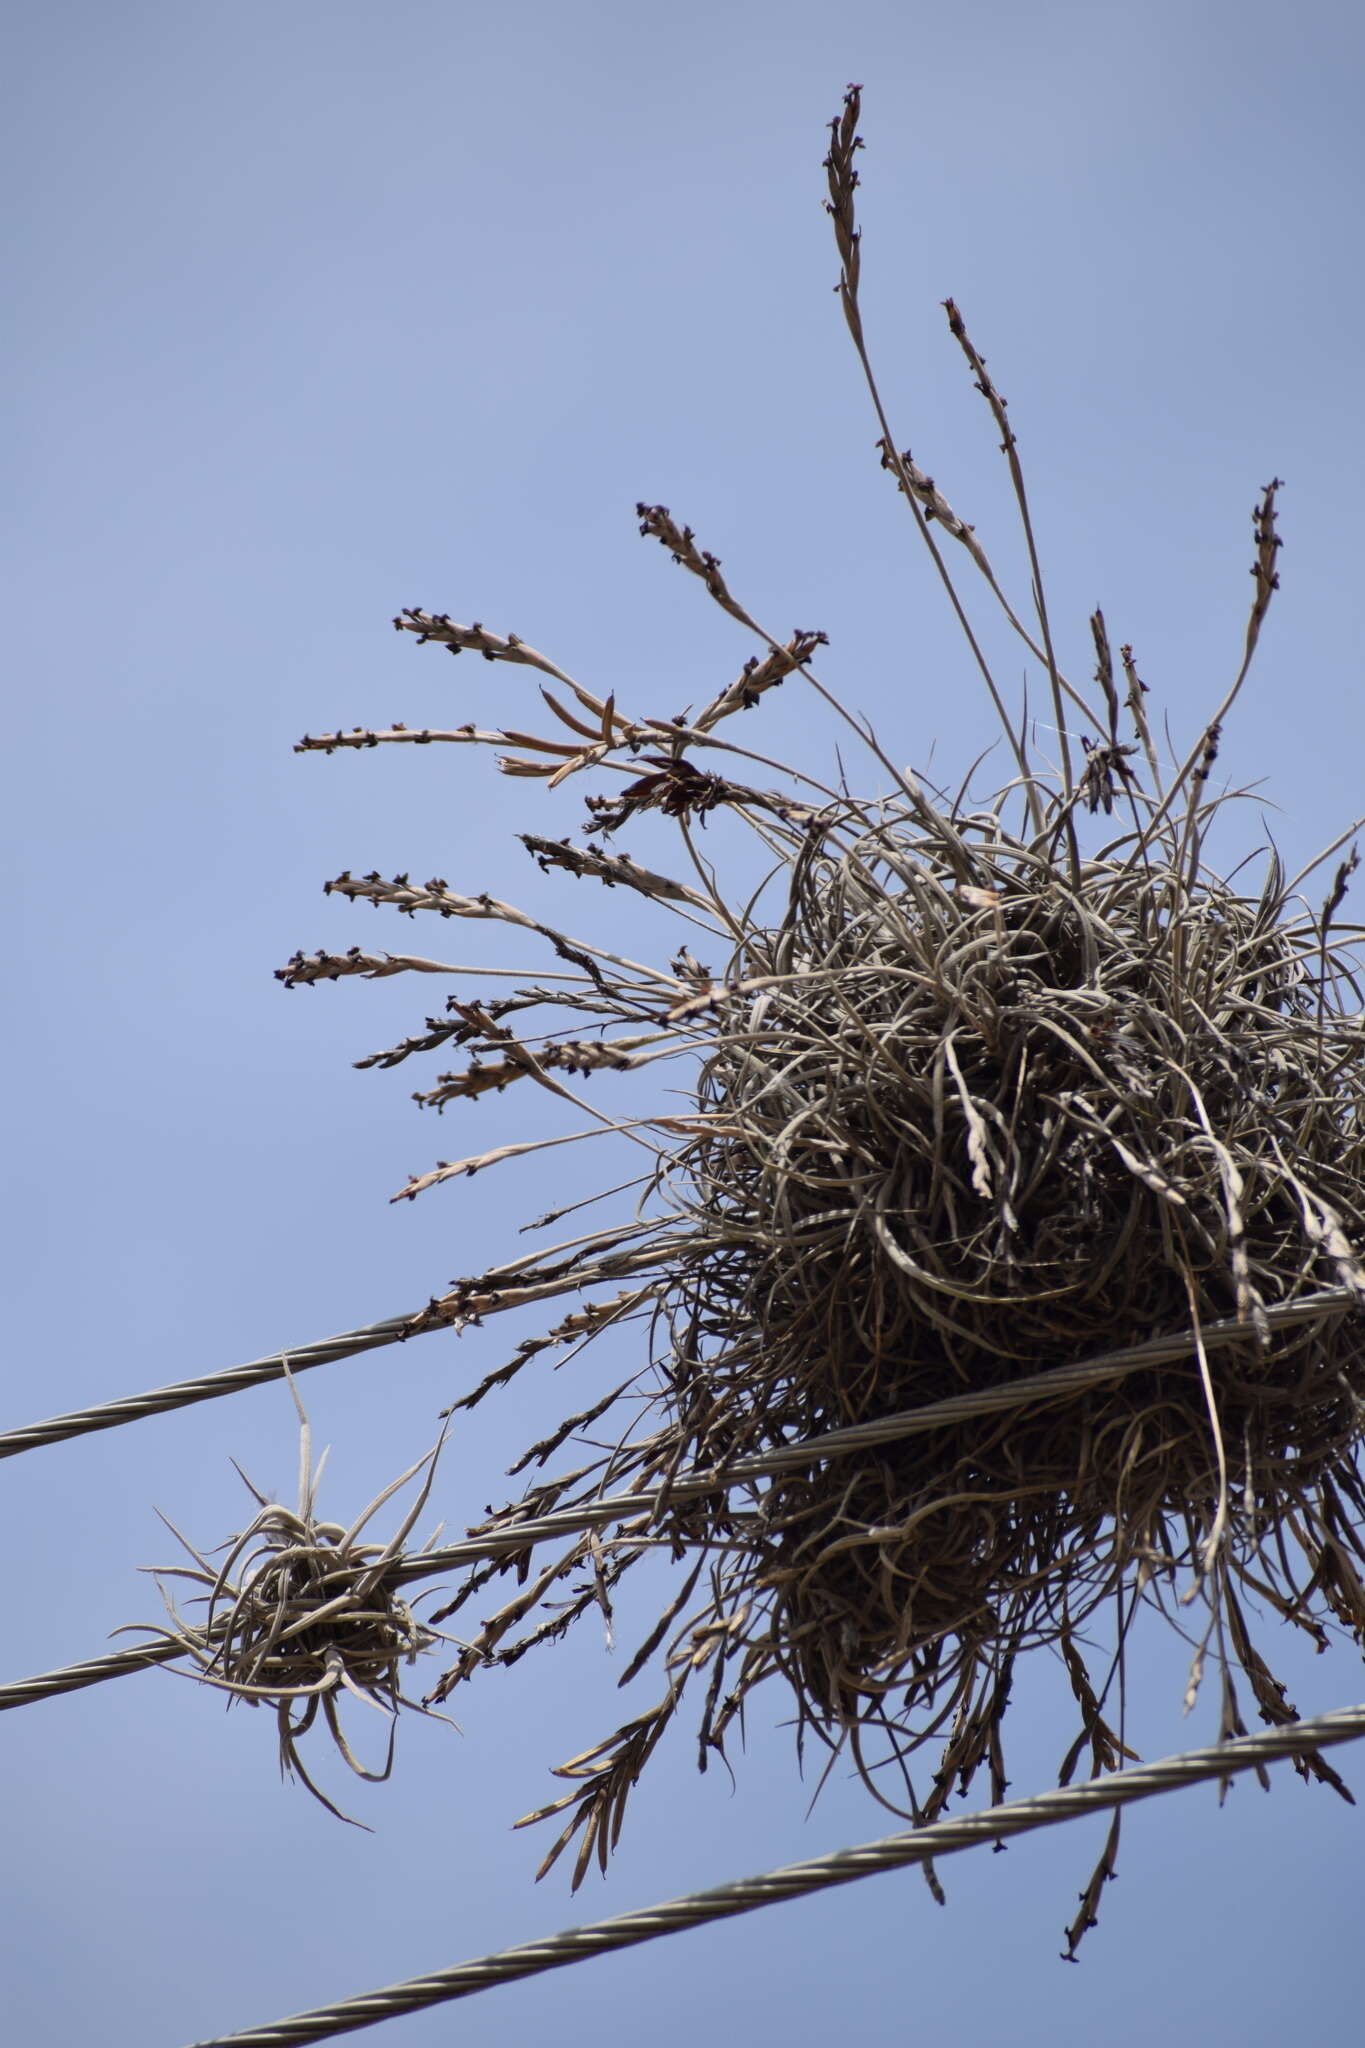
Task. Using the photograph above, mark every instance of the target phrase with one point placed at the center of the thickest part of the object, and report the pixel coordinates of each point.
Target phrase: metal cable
(299, 1358)
(796, 1880)
(394, 1329)
(634, 1507)
(25, 1692)
(437, 1314)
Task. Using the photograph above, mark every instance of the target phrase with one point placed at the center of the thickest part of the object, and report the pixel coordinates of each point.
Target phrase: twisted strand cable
(797, 1880)
(184, 1393)
(1059, 1382)
(394, 1329)
(635, 1507)
(434, 1315)
(46, 1685)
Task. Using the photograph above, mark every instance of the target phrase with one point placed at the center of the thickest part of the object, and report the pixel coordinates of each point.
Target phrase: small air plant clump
(1006, 1261)
(302, 1612)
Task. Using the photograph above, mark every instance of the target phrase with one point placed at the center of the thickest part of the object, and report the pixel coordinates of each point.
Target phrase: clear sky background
(317, 311)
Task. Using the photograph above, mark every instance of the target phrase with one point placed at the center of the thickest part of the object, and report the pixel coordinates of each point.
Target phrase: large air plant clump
(981, 1091)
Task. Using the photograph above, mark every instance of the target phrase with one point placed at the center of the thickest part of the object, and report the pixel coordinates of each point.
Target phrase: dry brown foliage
(979, 1089)
(302, 1614)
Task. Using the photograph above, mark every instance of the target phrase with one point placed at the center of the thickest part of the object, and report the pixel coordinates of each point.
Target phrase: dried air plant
(301, 1612)
(978, 1088)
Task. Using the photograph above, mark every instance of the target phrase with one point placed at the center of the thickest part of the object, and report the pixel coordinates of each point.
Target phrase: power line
(395, 1329)
(440, 1313)
(796, 1880)
(630, 1507)
(183, 1394)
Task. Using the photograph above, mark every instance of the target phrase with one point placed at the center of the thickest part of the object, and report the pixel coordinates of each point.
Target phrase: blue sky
(322, 311)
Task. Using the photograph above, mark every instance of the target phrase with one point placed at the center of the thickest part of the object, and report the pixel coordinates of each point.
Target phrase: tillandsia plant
(1003, 1262)
(302, 1613)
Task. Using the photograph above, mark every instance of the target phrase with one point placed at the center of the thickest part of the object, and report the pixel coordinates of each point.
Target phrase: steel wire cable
(396, 1329)
(635, 1507)
(184, 1393)
(797, 1880)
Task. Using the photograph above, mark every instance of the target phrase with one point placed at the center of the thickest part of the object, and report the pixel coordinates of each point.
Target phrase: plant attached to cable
(979, 1088)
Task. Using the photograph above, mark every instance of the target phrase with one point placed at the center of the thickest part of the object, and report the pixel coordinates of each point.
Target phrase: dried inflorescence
(978, 1090)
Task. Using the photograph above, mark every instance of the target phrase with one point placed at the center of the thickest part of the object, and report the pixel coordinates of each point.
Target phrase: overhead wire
(798, 1880)
(630, 1508)
(398, 1329)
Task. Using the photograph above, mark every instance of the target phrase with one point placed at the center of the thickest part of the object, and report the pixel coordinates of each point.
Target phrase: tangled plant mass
(980, 1090)
(302, 1614)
